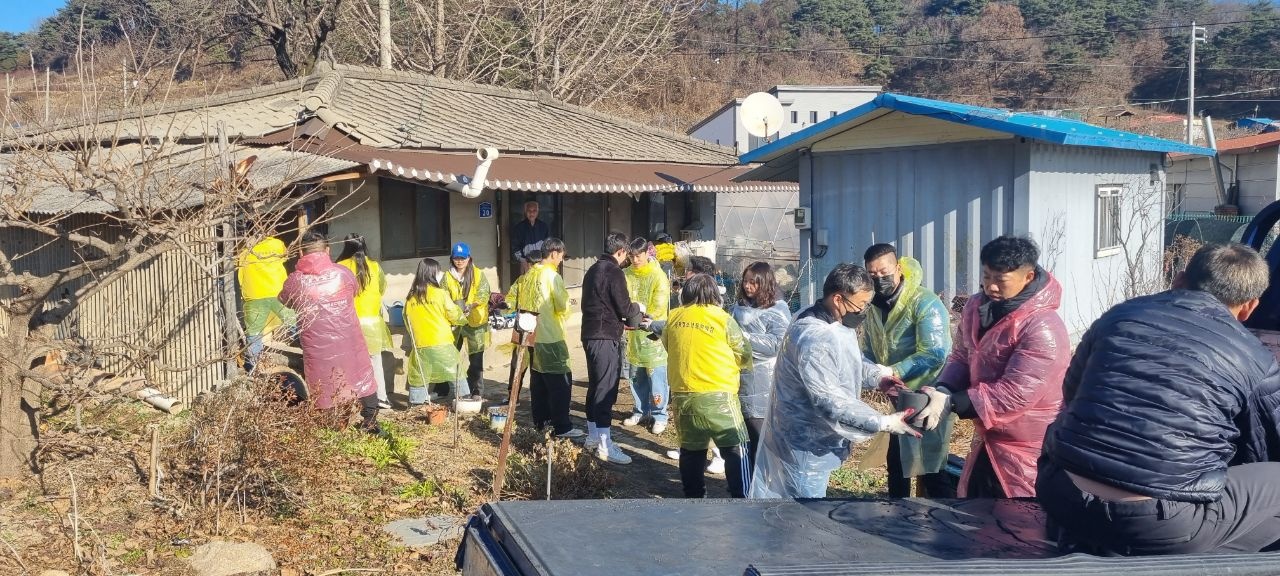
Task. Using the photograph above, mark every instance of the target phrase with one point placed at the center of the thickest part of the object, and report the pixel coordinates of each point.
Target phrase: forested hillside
(671, 61)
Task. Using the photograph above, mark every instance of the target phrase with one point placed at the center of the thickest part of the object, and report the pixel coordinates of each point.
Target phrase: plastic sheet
(764, 328)
(816, 412)
(915, 338)
(648, 286)
(1014, 377)
(335, 362)
(430, 325)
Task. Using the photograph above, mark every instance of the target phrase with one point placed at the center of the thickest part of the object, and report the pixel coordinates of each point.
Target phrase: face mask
(852, 320)
(884, 285)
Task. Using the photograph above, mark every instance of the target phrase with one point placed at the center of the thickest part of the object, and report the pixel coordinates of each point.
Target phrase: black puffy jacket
(1163, 393)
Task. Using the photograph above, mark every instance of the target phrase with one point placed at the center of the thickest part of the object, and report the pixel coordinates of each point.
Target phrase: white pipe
(158, 399)
(475, 185)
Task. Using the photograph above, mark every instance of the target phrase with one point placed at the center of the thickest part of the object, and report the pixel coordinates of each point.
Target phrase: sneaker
(612, 455)
(673, 454)
(633, 420)
(659, 427)
(716, 466)
(572, 433)
(590, 444)
(384, 405)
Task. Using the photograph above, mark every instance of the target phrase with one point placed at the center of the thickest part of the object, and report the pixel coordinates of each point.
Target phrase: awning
(525, 173)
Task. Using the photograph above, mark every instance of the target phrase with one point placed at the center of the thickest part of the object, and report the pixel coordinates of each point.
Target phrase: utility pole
(384, 33)
(1197, 35)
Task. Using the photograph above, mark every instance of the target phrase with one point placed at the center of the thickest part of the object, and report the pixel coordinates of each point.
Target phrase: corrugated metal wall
(938, 204)
(166, 313)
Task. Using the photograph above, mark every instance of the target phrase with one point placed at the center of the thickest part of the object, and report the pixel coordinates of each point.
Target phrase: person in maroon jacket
(606, 309)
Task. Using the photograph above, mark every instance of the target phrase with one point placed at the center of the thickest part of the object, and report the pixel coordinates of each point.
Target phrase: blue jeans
(646, 383)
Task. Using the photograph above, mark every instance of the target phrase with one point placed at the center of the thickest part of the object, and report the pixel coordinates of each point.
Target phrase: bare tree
(583, 51)
(82, 214)
(296, 30)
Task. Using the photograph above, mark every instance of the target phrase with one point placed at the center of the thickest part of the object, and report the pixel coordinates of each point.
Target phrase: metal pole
(1191, 87)
(46, 94)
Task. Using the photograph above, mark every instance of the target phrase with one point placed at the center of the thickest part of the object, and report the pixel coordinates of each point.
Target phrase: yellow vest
(706, 351)
(431, 321)
(541, 290)
(261, 269)
(477, 298)
(369, 300)
(648, 285)
(666, 251)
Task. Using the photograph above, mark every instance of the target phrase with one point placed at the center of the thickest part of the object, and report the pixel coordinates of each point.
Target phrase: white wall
(1061, 211)
(1256, 177)
(357, 210)
(723, 129)
(824, 103)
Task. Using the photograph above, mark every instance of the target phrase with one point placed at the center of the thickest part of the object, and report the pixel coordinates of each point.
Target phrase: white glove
(931, 415)
(896, 423)
(642, 308)
(885, 371)
(646, 324)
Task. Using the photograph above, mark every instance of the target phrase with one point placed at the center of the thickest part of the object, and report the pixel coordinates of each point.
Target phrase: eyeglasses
(849, 303)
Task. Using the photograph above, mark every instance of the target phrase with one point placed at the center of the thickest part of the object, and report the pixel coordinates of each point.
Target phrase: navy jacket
(1163, 394)
(606, 305)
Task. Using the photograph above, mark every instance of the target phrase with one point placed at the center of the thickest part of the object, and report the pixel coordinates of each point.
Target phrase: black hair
(702, 265)
(427, 275)
(878, 250)
(1232, 273)
(767, 291)
(314, 241)
(1008, 253)
(700, 289)
(552, 244)
(614, 242)
(846, 279)
(354, 248)
(662, 238)
(638, 245)
(534, 256)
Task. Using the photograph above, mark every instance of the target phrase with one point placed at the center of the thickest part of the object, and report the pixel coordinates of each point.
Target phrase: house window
(1106, 231)
(795, 117)
(833, 114)
(813, 117)
(1175, 197)
(414, 220)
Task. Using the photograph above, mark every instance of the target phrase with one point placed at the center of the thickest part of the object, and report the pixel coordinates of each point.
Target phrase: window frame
(1105, 195)
(813, 117)
(795, 116)
(410, 205)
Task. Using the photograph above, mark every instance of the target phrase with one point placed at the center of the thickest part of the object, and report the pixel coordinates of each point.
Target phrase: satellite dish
(761, 114)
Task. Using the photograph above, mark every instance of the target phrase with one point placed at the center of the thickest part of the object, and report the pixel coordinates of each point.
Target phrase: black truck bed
(793, 537)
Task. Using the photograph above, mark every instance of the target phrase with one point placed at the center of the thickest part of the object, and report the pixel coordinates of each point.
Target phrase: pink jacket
(335, 362)
(1014, 378)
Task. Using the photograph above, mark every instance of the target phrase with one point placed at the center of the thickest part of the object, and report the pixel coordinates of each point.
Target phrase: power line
(768, 49)
(1172, 100)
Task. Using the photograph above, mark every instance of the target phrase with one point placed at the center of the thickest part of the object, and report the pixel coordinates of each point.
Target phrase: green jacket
(915, 338)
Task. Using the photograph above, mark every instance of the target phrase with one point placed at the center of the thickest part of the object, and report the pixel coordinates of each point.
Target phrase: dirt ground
(89, 511)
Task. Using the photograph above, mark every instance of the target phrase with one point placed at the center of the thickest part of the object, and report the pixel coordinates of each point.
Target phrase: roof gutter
(1218, 185)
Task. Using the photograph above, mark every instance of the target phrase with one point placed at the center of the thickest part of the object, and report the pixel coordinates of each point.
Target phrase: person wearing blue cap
(469, 289)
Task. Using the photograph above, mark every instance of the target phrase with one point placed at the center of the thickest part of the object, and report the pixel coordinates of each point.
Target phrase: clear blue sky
(22, 15)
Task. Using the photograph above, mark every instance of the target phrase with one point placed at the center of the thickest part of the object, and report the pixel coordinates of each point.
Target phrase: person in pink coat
(1006, 368)
(335, 362)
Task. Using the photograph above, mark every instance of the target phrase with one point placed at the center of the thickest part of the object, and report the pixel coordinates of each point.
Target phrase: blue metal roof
(1063, 131)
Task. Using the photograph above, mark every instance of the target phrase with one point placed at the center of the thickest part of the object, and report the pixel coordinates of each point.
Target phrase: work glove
(642, 308)
(896, 423)
(890, 383)
(931, 415)
(646, 323)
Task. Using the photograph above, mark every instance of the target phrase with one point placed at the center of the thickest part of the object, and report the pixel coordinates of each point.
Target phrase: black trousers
(604, 368)
(693, 464)
(1245, 519)
(935, 485)
(475, 367)
(754, 425)
(549, 400)
(983, 482)
(369, 413)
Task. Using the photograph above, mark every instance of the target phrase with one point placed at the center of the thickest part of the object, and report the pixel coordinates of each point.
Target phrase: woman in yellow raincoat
(647, 285)
(707, 354)
(372, 284)
(469, 289)
(430, 315)
(541, 290)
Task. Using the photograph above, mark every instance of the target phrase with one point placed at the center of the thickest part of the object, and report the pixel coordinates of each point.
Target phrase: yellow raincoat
(541, 290)
(706, 350)
(915, 338)
(648, 285)
(430, 323)
(475, 331)
(261, 269)
(369, 306)
(666, 252)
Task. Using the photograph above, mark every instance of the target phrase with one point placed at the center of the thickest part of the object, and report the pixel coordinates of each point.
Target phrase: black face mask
(853, 319)
(885, 285)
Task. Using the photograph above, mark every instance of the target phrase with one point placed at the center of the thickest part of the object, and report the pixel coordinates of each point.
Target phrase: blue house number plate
(486, 210)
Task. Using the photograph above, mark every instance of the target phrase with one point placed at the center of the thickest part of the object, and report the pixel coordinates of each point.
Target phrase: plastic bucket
(395, 314)
(497, 418)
